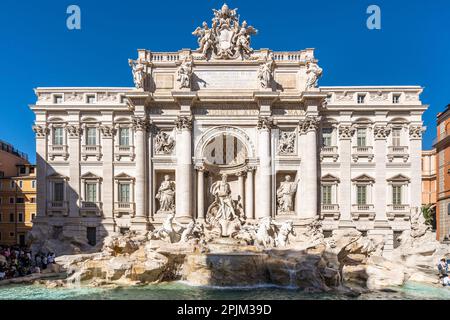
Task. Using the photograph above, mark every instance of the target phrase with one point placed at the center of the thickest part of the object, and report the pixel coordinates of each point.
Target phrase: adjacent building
(17, 195)
(113, 159)
(441, 145)
(429, 178)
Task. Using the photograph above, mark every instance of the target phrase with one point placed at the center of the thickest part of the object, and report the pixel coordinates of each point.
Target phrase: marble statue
(285, 195)
(265, 234)
(166, 195)
(164, 143)
(222, 192)
(227, 38)
(184, 74)
(193, 230)
(286, 229)
(286, 142)
(167, 230)
(138, 68)
(313, 73)
(265, 73)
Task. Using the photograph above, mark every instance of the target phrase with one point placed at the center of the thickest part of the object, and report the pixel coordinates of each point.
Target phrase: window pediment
(399, 178)
(57, 176)
(329, 178)
(123, 176)
(90, 176)
(364, 178)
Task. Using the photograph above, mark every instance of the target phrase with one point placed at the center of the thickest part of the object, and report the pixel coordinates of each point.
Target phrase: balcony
(121, 208)
(329, 152)
(58, 151)
(90, 207)
(398, 152)
(330, 211)
(91, 151)
(363, 211)
(124, 151)
(398, 211)
(58, 207)
(362, 152)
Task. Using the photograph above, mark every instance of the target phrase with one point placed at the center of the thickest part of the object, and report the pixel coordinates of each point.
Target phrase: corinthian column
(308, 127)
(41, 170)
(381, 133)
(74, 132)
(200, 192)
(140, 221)
(183, 197)
(264, 186)
(107, 130)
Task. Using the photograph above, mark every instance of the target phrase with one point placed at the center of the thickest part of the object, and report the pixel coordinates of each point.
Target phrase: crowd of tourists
(16, 261)
(443, 272)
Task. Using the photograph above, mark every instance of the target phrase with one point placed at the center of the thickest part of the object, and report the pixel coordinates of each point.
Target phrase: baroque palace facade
(254, 122)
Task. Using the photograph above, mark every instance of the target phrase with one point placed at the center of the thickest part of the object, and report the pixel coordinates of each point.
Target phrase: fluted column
(264, 186)
(381, 133)
(241, 185)
(183, 198)
(140, 221)
(249, 195)
(41, 170)
(74, 132)
(346, 132)
(107, 190)
(308, 127)
(415, 152)
(200, 192)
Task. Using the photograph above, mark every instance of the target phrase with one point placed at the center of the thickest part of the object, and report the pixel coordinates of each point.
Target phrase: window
(33, 215)
(20, 217)
(396, 133)
(361, 194)
(20, 184)
(20, 200)
(448, 209)
(58, 136)
(11, 234)
(124, 137)
(31, 169)
(361, 137)
(326, 137)
(90, 98)
(0, 236)
(326, 194)
(22, 170)
(2, 174)
(91, 235)
(124, 192)
(1, 217)
(396, 98)
(11, 217)
(33, 200)
(91, 192)
(58, 191)
(33, 184)
(361, 98)
(396, 194)
(13, 184)
(58, 98)
(11, 200)
(91, 136)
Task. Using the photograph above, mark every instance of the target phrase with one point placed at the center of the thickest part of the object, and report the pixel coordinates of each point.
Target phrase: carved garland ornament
(184, 123)
(74, 131)
(107, 131)
(41, 131)
(415, 132)
(140, 123)
(346, 132)
(310, 123)
(381, 132)
(265, 123)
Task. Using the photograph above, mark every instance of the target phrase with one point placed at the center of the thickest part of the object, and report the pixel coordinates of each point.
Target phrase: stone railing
(124, 151)
(329, 151)
(329, 211)
(57, 206)
(124, 207)
(58, 151)
(401, 211)
(366, 151)
(287, 56)
(398, 152)
(330, 207)
(91, 206)
(363, 211)
(164, 57)
(407, 95)
(89, 150)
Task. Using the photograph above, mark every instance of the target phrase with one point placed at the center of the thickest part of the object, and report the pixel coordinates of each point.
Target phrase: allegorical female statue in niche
(285, 195)
(166, 195)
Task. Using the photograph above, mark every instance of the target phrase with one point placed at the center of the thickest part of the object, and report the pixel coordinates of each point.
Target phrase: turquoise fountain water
(179, 290)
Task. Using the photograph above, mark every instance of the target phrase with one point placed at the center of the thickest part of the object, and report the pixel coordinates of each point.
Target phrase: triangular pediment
(90, 175)
(363, 178)
(56, 175)
(398, 178)
(329, 178)
(124, 176)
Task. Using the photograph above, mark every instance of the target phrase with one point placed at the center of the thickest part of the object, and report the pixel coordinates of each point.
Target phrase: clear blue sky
(36, 48)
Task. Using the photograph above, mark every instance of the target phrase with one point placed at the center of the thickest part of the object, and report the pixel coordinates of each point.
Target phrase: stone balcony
(58, 151)
(402, 211)
(398, 152)
(362, 152)
(91, 151)
(121, 208)
(57, 207)
(329, 211)
(90, 207)
(363, 211)
(124, 151)
(329, 152)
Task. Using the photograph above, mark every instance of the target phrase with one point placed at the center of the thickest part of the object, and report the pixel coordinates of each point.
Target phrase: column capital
(108, 131)
(41, 131)
(200, 167)
(140, 123)
(184, 123)
(310, 123)
(74, 131)
(346, 132)
(242, 173)
(381, 132)
(265, 123)
(415, 132)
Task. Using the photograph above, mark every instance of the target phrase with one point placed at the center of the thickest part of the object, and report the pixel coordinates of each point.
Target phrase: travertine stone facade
(256, 116)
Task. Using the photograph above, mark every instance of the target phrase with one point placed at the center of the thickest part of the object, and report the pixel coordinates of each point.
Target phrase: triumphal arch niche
(232, 130)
